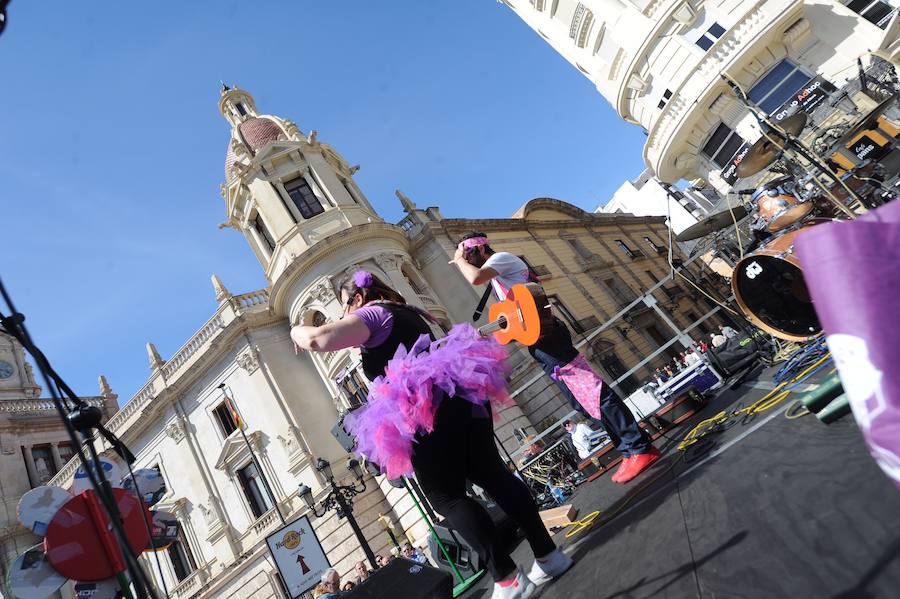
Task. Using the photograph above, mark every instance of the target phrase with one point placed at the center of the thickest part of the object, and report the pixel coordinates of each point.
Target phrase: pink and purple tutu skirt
(403, 402)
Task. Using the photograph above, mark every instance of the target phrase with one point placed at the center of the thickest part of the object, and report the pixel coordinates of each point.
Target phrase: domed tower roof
(255, 132)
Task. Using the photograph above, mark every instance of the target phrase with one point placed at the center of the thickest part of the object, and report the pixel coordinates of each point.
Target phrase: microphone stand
(793, 144)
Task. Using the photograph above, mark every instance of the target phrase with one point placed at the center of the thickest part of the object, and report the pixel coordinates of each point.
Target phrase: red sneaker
(624, 466)
(638, 464)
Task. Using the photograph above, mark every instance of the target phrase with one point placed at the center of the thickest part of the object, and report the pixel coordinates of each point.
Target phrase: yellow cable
(803, 411)
(579, 525)
(767, 402)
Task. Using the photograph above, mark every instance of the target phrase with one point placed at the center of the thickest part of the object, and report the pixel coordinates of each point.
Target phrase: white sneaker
(521, 588)
(547, 568)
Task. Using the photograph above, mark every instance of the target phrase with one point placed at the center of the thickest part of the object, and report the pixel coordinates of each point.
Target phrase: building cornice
(519, 224)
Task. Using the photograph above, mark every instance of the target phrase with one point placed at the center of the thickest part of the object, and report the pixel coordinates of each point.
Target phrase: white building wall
(637, 50)
(649, 198)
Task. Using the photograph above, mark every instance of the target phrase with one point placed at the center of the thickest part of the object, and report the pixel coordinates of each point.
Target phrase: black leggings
(461, 447)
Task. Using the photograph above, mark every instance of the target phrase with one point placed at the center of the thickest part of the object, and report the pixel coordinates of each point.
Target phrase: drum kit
(768, 282)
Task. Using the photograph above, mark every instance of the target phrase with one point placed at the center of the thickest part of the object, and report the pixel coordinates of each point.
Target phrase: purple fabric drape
(852, 269)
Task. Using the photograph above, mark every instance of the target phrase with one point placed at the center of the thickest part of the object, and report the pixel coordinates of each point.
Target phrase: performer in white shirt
(556, 354)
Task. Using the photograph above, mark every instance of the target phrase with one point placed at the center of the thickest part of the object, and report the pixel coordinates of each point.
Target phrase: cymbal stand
(790, 143)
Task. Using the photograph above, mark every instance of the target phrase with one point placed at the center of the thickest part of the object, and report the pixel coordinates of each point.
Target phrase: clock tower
(16, 377)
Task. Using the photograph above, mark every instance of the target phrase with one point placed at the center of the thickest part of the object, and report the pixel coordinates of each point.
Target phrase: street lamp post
(340, 499)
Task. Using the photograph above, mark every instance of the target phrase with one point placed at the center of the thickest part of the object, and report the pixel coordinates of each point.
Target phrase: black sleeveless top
(408, 326)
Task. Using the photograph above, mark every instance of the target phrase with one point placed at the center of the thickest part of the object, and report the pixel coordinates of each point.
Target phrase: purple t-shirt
(379, 321)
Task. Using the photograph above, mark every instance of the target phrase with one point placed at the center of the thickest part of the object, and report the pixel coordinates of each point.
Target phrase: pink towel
(583, 382)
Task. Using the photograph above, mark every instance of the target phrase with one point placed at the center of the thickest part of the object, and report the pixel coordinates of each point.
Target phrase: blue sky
(112, 145)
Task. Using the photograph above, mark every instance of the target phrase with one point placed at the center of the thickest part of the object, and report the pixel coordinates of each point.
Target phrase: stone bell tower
(294, 199)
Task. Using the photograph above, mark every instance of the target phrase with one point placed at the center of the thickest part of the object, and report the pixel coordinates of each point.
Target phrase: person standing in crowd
(414, 554)
(727, 331)
(331, 582)
(556, 354)
(429, 413)
(718, 340)
(362, 572)
(691, 357)
(659, 377)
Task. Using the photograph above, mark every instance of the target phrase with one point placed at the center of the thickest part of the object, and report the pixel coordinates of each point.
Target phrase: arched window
(318, 319)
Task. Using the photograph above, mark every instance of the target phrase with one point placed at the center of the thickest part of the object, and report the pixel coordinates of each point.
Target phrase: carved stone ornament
(388, 261)
(322, 292)
(290, 441)
(240, 150)
(176, 430)
(291, 128)
(249, 360)
(209, 514)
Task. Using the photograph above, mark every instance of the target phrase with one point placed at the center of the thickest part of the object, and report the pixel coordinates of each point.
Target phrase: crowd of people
(330, 586)
(692, 355)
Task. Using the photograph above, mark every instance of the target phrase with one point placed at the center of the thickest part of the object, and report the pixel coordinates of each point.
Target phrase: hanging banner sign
(807, 98)
(729, 173)
(298, 556)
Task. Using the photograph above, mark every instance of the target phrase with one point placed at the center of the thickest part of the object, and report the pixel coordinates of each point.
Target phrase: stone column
(390, 264)
(57, 459)
(30, 467)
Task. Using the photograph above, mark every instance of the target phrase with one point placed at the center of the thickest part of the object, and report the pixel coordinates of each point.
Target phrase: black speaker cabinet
(462, 554)
(405, 579)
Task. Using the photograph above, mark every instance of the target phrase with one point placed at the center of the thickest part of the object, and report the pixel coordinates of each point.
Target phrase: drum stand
(792, 145)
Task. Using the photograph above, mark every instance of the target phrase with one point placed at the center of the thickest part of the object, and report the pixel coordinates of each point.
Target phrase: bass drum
(771, 292)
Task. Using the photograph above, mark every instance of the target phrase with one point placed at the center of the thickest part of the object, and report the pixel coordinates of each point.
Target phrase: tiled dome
(255, 132)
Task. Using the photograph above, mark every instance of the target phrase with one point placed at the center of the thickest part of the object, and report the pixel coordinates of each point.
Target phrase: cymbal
(867, 122)
(767, 148)
(795, 123)
(712, 223)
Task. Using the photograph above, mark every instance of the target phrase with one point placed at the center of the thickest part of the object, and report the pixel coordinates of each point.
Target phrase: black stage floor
(778, 508)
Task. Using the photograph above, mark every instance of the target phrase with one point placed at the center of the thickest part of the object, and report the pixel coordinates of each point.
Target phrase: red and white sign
(298, 556)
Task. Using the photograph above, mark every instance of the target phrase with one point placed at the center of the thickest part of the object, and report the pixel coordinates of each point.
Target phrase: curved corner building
(658, 63)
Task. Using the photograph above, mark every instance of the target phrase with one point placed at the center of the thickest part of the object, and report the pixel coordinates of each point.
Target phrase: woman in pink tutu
(429, 413)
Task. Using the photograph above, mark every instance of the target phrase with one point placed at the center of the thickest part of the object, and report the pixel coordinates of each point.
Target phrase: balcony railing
(39, 405)
(189, 586)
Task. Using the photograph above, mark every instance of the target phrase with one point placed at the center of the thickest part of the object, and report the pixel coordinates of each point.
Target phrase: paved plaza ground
(778, 508)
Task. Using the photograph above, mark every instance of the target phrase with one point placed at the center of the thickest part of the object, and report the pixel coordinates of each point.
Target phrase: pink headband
(473, 242)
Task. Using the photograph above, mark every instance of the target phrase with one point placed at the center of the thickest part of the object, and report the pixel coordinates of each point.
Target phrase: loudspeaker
(342, 436)
(461, 552)
(406, 579)
(746, 348)
(348, 443)
(466, 559)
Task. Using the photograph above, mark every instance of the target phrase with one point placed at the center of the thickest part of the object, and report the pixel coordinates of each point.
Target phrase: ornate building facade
(294, 200)
(34, 444)
(658, 63)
